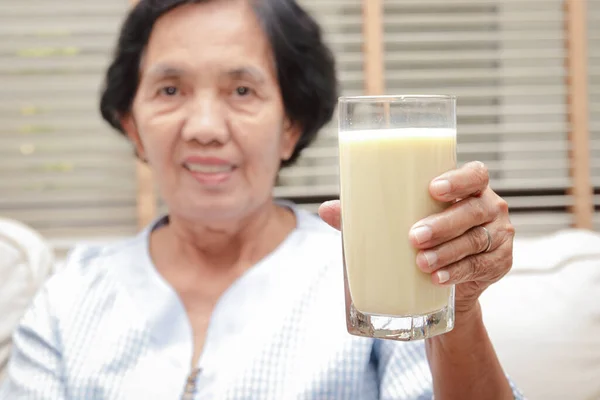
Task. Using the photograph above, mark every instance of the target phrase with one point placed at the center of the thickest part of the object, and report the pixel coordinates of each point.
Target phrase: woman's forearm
(464, 364)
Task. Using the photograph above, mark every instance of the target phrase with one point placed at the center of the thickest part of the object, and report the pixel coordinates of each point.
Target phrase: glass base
(405, 328)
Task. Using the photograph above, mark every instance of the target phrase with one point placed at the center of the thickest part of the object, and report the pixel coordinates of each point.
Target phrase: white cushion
(544, 317)
(25, 263)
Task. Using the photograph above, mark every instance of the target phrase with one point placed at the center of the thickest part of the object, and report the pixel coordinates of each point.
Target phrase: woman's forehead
(208, 33)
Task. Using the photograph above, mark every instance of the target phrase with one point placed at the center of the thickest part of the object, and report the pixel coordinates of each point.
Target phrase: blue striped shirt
(108, 326)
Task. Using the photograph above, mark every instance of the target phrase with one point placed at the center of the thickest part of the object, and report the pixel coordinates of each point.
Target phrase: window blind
(316, 173)
(594, 97)
(505, 60)
(62, 170)
(69, 176)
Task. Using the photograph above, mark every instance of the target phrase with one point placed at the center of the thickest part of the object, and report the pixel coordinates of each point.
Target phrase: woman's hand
(453, 245)
(454, 248)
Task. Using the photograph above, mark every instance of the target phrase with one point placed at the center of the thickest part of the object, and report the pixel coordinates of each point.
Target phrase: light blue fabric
(109, 327)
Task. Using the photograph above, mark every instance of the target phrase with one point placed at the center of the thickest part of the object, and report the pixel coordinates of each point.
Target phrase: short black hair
(305, 64)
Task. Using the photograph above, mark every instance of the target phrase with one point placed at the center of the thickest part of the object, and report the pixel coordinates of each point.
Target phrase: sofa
(26, 261)
(543, 318)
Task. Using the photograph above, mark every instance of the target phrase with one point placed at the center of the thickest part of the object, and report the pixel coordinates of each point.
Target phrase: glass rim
(392, 97)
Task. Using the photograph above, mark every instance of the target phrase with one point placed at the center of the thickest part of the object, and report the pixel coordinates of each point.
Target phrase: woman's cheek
(164, 126)
(159, 140)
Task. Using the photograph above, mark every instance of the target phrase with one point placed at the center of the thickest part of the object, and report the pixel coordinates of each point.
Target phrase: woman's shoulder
(86, 258)
(92, 269)
(313, 227)
(309, 221)
(315, 242)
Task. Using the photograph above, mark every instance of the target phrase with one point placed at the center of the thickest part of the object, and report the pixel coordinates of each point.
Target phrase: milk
(385, 176)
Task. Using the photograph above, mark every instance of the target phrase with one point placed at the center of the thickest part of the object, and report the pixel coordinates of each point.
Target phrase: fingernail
(441, 187)
(421, 234)
(330, 203)
(443, 276)
(431, 258)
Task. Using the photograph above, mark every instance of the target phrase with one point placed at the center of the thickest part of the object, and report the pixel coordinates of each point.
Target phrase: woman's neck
(226, 244)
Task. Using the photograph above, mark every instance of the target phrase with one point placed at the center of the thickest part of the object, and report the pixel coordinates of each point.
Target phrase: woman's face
(208, 114)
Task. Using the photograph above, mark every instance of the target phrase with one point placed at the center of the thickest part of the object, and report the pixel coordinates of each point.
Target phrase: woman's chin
(209, 210)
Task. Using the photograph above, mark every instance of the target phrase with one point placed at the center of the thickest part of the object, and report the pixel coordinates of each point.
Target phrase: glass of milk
(391, 148)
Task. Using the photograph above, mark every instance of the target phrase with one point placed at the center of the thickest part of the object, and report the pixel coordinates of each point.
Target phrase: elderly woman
(233, 295)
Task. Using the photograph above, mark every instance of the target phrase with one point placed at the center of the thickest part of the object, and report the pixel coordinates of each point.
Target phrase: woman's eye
(242, 91)
(169, 91)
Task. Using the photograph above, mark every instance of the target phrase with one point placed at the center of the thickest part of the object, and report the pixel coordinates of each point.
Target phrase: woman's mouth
(209, 168)
(210, 173)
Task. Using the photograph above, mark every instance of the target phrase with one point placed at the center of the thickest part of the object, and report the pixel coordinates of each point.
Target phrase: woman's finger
(474, 241)
(456, 220)
(483, 268)
(470, 180)
(330, 213)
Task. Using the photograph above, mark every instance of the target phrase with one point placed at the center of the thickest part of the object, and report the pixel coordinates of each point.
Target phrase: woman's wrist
(468, 327)
(465, 320)
(463, 362)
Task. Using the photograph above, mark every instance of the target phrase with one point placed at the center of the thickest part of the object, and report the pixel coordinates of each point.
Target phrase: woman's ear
(130, 128)
(291, 134)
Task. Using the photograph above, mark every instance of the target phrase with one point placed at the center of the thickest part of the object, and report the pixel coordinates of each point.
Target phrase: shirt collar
(160, 305)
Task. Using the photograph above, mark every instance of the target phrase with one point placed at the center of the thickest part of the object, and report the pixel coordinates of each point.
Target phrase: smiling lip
(209, 170)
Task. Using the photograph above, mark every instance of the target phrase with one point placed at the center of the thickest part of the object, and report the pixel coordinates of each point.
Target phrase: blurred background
(65, 173)
(527, 77)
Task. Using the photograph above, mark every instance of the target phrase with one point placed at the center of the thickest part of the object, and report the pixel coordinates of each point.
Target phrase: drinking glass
(391, 148)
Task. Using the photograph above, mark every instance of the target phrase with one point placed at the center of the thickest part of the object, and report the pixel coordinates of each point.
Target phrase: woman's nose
(205, 121)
